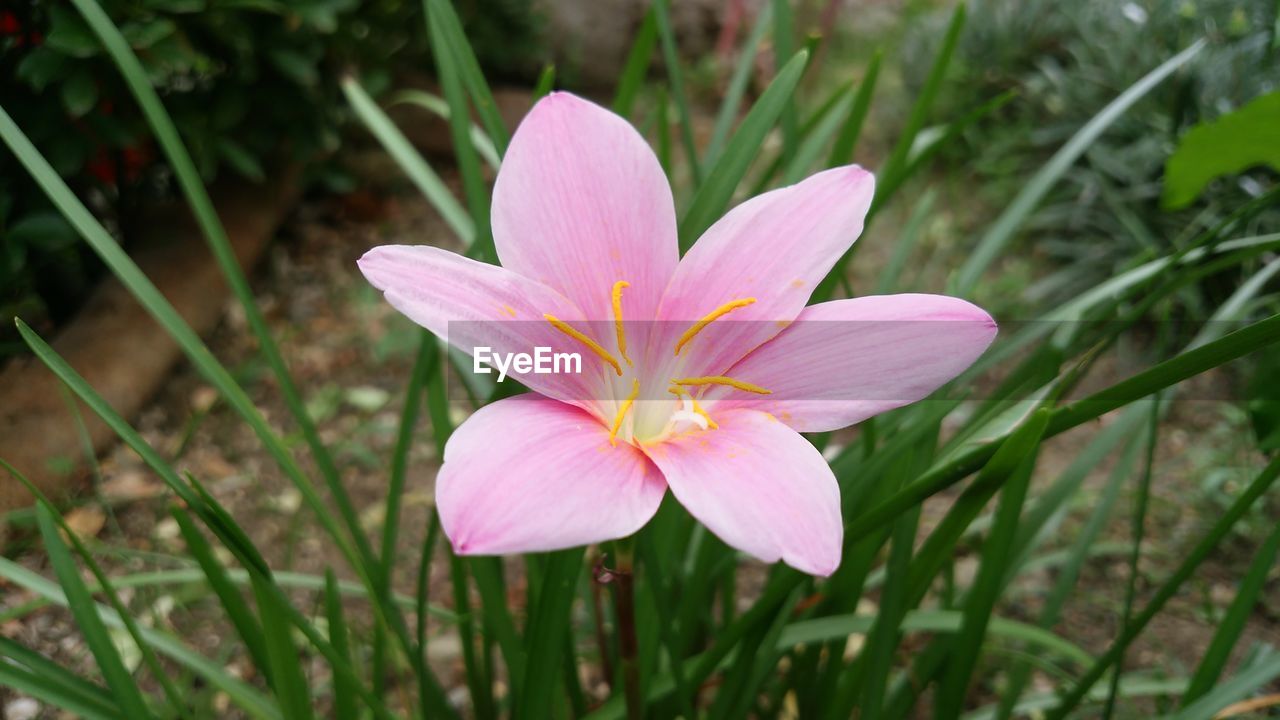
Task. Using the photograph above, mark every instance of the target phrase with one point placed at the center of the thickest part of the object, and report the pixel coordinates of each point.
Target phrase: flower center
(639, 421)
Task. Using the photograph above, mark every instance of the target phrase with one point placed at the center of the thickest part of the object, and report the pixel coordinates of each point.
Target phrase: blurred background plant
(249, 85)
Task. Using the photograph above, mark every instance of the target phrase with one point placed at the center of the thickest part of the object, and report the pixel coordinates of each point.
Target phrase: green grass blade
(233, 603)
(546, 82)
(50, 684)
(545, 632)
(737, 87)
(783, 42)
(675, 79)
(923, 105)
(487, 573)
(1232, 626)
(123, 687)
(1002, 231)
(637, 65)
(997, 552)
(1137, 531)
(842, 152)
(344, 693)
(440, 14)
(476, 676)
(412, 163)
(714, 196)
(437, 106)
(891, 278)
(288, 681)
(424, 366)
(1170, 587)
(193, 189)
(1246, 682)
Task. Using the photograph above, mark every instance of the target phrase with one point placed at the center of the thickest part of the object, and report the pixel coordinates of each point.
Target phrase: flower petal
(844, 361)
(760, 487)
(527, 474)
(581, 203)
(775, 248)
(472, 304)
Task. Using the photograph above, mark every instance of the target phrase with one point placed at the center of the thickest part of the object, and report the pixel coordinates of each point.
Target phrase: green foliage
(709, 644)
(1236, 141)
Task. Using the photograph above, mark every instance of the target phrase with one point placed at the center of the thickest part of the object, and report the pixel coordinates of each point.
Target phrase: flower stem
(625, 611)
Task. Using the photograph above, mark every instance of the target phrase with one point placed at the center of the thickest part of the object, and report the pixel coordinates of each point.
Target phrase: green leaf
(45, 230)
(410, 161)
(546, 82)
(79, 93)
(446, 29)
(239, 158)
(715, 194)
(344, 694)
(437, 105)
(545, 632)
(1228, 145)
(123, 687)
(69, 34)
(997, 552)
(32, 674)
(842, 153)
(42, 66)
(145, 33)
(637, 65)
(287, 678)
(675, 78)
(1232, 626)
(732, 102)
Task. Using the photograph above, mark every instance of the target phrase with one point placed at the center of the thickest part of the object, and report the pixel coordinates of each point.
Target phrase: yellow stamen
(592, 345)
(697, 327)
(722, 380)
(617, 318)
(622, 412)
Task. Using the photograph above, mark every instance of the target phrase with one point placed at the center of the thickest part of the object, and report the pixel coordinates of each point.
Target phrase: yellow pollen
(592, 345)
(622, 412)
(722, 380)
(617, 318)
(697, 327)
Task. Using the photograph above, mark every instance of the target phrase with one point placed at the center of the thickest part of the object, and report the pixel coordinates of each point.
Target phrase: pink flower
(708, 401)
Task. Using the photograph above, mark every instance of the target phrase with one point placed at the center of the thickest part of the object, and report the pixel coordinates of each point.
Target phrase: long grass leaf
(997, 553)
(45, 686)
(713, 197)
(675, 79)
(437, 105)
(545, 633)
(409, 160)
(636, 67)
(467, 67)
(288, 681)
(344, 693)
(731, 104)
(201, 204)
(118, 678)
(842, 152)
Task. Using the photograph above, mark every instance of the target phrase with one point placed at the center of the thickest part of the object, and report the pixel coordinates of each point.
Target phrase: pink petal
(844, 361)
(474, 304)
(581, 203)
(760, 487)
(528, 474)
(774, 248)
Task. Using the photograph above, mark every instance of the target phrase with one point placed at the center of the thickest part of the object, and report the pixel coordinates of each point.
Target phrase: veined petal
(527, 474)
(760, 487)
(581, 203)
(774, 248)
(473, 304)
(844, 361)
